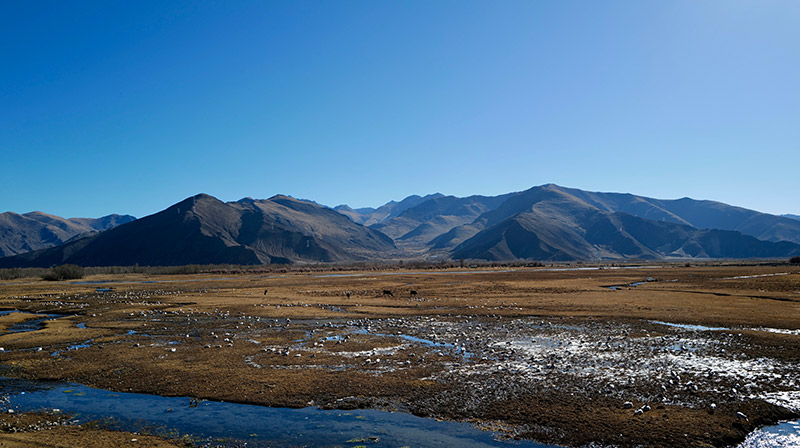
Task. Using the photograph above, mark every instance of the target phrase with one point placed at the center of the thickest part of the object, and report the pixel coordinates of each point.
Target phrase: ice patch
(786, 434)
(777, 330)
(690, 327)
(386, 351)
(756, 276)
(787, 399)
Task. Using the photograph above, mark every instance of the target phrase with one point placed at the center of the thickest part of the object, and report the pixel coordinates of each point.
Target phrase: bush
(11, 274)
(794, 260)
(64, 272)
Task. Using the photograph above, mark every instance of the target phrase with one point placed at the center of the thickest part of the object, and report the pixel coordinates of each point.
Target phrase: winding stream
(29, 324)
(234, 424)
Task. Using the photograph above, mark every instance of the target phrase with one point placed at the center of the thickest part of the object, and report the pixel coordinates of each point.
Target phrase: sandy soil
(552, 355)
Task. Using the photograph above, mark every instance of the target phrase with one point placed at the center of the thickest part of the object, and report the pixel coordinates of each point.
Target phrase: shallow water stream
(234, 424)
(229, 424)
(30, 324)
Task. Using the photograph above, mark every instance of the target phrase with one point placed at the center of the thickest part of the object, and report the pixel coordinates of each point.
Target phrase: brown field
(47, 431)
(548, 355)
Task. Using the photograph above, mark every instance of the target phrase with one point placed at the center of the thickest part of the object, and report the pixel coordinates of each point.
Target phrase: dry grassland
(551, 355)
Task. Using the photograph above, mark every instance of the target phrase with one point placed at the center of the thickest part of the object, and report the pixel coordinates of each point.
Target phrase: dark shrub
(11, 274)
(794, 260)
(64, 272)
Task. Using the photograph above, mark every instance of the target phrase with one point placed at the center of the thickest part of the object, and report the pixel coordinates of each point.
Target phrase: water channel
(231, 424)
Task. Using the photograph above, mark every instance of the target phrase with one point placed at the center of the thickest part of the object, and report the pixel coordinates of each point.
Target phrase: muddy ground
(557, 356)
(55, 431)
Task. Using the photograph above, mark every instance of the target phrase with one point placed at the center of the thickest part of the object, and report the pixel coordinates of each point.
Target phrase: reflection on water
(255, 425)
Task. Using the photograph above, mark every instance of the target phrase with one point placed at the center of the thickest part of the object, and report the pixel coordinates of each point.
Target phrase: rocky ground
(653, 356)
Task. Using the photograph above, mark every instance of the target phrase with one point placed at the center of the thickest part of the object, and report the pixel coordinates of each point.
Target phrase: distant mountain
(369, 216)
(555, 223)
(790, 216)
(355, 215)
(696, 213)
(612, 236)
(418, 225)
(546, 222)
(37, 230)
(205, 230)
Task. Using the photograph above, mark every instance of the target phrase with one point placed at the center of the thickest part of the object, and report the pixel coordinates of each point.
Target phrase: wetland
(675, 356)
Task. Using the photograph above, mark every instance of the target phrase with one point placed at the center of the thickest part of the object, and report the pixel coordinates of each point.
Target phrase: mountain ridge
(414, 227)
(369, 216)
(546, 222)
(204, 230)
(556, 223)
(20, 233)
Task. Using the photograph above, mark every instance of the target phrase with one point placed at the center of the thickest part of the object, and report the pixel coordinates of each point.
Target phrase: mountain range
(204, 230)
(550, 222)
(544, 223)
(368, 216)
(415, 226)
(37, 230)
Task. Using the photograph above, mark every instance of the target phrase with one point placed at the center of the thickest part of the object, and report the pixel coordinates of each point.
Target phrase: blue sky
(129, 107)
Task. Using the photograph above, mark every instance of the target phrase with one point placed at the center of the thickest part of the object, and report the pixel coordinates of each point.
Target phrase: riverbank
(48, 430)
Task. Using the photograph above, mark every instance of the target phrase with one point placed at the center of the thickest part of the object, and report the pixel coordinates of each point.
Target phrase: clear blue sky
(129, 107)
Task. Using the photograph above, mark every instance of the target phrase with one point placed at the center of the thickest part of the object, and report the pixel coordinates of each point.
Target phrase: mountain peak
(283, 197)
(343, 207)
(204, 197)
(38, 213)
(192, 200)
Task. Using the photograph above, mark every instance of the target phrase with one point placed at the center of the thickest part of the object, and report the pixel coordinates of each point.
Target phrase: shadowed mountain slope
(549, 203)
(554, 223)
(205, 230)
(697, 213)
(416, 226)
(369, 216)
(37, 230)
